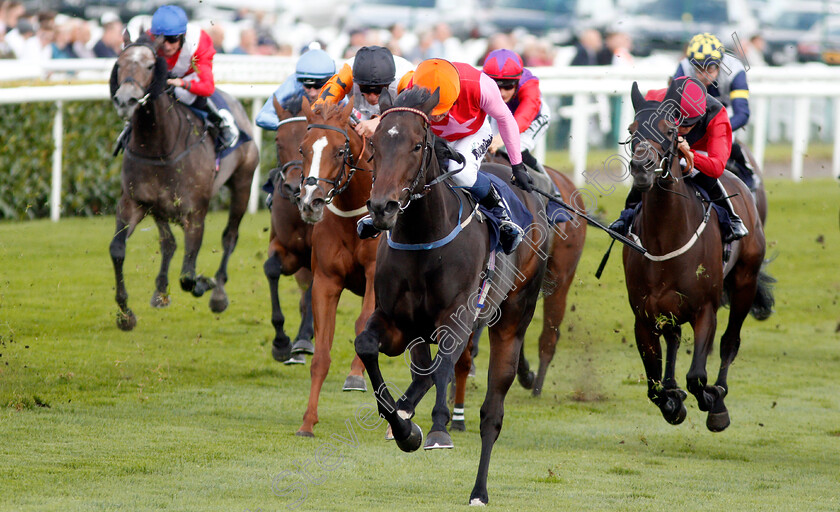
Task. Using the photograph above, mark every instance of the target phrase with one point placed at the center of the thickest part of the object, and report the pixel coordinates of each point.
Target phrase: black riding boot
(622, 225)
(511, 234)
(228, 132)
(719, 196)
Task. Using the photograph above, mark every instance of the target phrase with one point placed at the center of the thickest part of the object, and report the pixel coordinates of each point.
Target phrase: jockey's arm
(529, 104)
(202, 67)
(739, 95)
(718, 146)
(337, 87)
(492, 103)
(267, 118)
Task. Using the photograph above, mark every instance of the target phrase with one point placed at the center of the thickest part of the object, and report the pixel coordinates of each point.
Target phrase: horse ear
(114, 81)
(432, 102)
(305, 108)
(673, 93)
(348, 109)
(636, 97)
(277, 107)
(385, 100)
(126, 38)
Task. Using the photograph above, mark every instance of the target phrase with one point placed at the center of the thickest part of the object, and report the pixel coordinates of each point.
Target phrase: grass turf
(189, 411)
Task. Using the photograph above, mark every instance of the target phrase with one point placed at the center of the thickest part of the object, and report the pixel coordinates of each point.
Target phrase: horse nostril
(391, 208)
(317, 203)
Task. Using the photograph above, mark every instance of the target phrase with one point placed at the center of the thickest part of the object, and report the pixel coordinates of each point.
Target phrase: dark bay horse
(290, 240)
(169, 173)
(428, 276)
(682, 279)
(336, 185)
(759, 194)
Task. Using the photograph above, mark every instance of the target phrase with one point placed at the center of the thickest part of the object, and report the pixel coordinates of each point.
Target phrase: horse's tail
(764, 301)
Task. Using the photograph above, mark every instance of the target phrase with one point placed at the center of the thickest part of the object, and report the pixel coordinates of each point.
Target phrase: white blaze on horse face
(393, 132)
(317, 148)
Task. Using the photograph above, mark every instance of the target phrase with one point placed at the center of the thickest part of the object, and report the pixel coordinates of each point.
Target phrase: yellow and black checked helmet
(705, 49)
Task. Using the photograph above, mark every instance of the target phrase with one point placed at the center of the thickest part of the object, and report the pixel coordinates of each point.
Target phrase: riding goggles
(173, 39)
(311, 83)
(507, 84)
(371, 89)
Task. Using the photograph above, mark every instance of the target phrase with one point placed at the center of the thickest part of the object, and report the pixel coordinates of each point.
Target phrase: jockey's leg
(222, 120)
(720, 197)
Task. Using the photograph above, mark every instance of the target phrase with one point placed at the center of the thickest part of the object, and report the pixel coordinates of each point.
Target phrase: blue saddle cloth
(222, 104)
(519, 214)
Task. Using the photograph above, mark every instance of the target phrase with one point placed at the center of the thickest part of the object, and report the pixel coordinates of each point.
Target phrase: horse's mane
(413, 97)
(293, 103)
(329, 111)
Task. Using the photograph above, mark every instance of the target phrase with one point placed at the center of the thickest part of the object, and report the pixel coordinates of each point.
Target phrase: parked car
(789, 24)
(412, 14)
(669, 24)
(822, 42)
(556, 19)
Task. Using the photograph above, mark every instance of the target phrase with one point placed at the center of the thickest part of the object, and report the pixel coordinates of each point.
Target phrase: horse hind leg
(462, 371)
(129, 214)
(238, 205)
(673, 410)
(709, 398)
(193, 234)
(306, 330)
(281, 346)
(160, 298)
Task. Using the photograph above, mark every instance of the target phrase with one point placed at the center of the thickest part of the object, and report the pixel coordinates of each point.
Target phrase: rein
(337, 185)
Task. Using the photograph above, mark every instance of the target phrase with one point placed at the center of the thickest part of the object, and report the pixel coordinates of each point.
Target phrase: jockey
(706, 136)
(189, 52)
(725, 79)
(520, 90)
(467, 96)
(312, 71)
(364, 76)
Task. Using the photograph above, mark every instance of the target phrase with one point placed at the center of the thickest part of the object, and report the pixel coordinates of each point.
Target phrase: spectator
(10, 13)
(111, 43)
(498, 41)
(81, 40)
(22, 41)
(266, 45)
(425, 49)
(620, 45)
(589, 45)
(217, 35)
(446, 46)
(401, 42)
(247, 42)
(61, 46)
(754, 51)
(538, 53)
(358, 38)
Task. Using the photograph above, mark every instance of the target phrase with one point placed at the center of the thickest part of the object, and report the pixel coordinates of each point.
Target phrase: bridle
(338, 186)
(281, 172)
(665, 157)
(428, 150)
(130, 79)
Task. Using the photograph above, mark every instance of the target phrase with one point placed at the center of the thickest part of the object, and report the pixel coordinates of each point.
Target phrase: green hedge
(91, 176)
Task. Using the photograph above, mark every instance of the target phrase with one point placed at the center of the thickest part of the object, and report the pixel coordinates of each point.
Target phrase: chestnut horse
(336, 180)
(682, 279)
(290, 241)
(169, 172)
(428, 276)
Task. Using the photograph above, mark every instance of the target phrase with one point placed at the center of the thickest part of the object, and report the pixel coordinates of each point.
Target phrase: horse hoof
(218, 304)
(304, 433)
(413, 441)
(354, 383)
(280, 350)
(677, 417)
(295, 359)
(303, 347)
(160, 300)
(389, 434)
(478, 502)
(437, 440)
(526, 381)
(203, 284)
(126, 320)
(458, 425)
(536, 393)
(717, 421)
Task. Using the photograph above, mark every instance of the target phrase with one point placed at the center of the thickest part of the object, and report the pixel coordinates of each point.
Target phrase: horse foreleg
(674, 409)
(356, 380)
(422, 366)
(554, 310)
(160, 299)
(325, 295)
(129, 215)
(505, 345)
(462, 371)
(380, 332)
(704, 333)
(281, 347)
(670, 402)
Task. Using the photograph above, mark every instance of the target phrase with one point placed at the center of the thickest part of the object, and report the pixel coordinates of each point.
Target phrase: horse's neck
(666, 210)
(358, 190)
(156, 126)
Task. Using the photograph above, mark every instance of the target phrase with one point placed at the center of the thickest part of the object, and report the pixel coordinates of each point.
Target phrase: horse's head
(402, 152)
(138, 75)
(326, 152)
(653, 140)
(290, 134)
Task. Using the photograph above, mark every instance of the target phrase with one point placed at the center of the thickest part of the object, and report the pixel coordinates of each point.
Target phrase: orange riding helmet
(439, 74)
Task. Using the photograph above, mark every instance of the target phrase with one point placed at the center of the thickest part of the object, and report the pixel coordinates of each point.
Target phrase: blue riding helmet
(315, 64)
(169, 20)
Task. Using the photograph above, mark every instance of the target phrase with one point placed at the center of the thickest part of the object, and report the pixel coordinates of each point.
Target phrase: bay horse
(759, 194)
(290, 239)
(429, 271)
(169, 172)
(682, 279)
(333, 159)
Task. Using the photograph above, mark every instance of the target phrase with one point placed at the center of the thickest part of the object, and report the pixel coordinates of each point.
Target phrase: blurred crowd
(35, 36)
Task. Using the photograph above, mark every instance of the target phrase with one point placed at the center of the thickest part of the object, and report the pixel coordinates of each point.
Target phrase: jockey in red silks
(706, 138)
(520, 90)
(189, 52)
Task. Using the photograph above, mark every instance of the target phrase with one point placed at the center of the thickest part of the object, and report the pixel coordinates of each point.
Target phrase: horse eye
(300, 150)
(418, 147)
(150, 67)
(341, 152)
